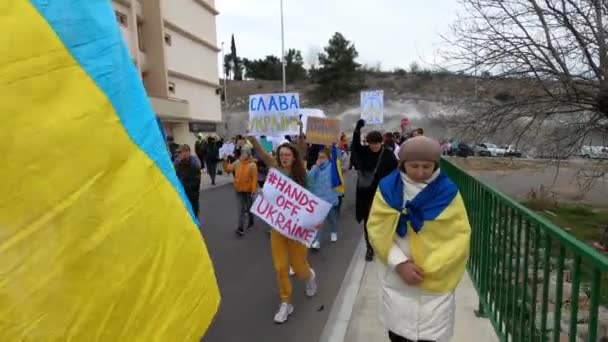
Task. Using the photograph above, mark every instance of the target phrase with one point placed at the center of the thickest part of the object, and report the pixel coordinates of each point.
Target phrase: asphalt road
(246, 276)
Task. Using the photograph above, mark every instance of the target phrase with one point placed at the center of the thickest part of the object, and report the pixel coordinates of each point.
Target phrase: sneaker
(334, 237)
(282, 315)
(316, 245)
(291, 272)
(240, 232)
(311, 284)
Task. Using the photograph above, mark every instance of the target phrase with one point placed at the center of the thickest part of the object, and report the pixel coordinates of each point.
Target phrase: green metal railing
(535, 281)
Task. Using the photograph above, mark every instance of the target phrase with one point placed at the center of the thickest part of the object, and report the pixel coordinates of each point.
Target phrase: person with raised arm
(374, 162)
(285, 251)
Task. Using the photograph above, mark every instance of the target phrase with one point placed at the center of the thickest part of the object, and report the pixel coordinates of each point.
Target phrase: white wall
(192, 17)
(182, 134)
(191, 58)
(204, 103)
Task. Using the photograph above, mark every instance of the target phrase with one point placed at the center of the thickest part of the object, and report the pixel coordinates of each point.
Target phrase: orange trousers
(286, 251)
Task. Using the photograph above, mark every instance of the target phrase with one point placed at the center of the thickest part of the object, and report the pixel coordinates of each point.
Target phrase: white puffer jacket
(408, 311)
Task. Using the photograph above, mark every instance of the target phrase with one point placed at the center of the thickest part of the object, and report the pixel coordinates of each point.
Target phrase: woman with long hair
(285, 251)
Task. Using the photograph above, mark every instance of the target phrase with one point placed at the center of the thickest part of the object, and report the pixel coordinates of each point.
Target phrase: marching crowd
(413, 217)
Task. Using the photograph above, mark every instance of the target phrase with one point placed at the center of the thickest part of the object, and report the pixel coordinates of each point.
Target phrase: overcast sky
(392, 32)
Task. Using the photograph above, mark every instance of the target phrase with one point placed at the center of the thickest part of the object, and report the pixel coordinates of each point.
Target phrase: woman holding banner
(284, 250)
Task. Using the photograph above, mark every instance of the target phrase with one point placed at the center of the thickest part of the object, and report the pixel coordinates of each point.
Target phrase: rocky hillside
(425, 98)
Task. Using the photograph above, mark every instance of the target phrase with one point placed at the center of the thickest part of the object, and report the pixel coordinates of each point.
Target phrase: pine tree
(236, 62)
(294, 66)
(339, 74)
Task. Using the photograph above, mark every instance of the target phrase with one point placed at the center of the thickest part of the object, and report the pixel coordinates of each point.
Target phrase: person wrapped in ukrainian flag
(419, 228)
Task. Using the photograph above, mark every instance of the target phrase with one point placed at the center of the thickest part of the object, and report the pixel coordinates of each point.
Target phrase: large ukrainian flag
(97, 239)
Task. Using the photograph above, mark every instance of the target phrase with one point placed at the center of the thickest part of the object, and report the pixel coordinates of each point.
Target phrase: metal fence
(535, 281)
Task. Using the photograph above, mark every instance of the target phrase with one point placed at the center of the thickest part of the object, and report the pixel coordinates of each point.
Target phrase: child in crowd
(245, 183)
(321, 184)
(419, 229)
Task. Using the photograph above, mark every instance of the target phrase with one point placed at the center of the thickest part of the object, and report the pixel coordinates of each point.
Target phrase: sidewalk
(363, 324)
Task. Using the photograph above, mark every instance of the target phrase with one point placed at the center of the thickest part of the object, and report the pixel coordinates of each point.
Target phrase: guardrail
(535, 281)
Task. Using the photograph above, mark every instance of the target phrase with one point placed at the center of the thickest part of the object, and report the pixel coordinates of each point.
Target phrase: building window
(171, 87)
(140, 37)
(168, 39)
(122, 19)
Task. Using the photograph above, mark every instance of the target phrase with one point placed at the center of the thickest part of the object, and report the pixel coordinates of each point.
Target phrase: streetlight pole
(283, 48)
(224, 72)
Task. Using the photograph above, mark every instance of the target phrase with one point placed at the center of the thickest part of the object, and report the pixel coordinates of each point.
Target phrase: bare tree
(552, 54)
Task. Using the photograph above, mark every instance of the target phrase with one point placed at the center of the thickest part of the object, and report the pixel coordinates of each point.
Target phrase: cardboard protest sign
(322, 131)
(289, 208)
(274, 114)
(372, 106)
(310, 113)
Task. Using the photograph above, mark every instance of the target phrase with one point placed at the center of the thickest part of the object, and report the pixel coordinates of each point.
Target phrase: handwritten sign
(274, 114)
(372, 106)
(322, 131)
(226, 150)
(308, 113)
(289, 208)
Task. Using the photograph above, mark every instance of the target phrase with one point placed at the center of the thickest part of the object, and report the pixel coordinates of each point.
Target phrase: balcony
(170, 108)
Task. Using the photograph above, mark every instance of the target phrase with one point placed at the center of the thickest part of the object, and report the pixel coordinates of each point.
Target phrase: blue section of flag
(426, 206)
(89, 30)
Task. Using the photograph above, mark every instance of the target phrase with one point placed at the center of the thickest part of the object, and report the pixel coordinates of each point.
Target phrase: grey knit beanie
(420, 148)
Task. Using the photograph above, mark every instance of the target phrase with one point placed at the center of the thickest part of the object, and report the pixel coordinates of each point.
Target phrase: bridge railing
(535, 281)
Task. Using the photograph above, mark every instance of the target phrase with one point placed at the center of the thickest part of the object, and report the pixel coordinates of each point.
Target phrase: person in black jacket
(374, 162)
(212, 156)
(199, 148)
(188, 170)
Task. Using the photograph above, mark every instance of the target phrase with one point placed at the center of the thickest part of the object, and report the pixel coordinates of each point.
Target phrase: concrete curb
(339, 317)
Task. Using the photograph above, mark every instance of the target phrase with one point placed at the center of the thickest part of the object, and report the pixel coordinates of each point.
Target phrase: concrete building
(174, 45)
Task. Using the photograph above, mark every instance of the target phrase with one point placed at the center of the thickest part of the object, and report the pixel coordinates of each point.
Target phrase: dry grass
(498, 164)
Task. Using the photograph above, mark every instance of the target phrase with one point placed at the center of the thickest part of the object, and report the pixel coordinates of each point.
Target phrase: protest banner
(226, 150)
(322, 131)
(310, 113)
(289, 208)
(274, 114)
(372, 106)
